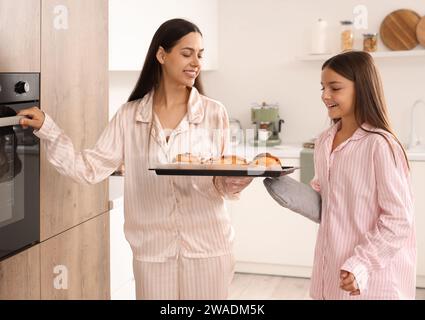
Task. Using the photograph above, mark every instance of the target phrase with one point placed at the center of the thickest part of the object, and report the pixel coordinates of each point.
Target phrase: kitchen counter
(288, 151)
(415, 156)
(282, 151)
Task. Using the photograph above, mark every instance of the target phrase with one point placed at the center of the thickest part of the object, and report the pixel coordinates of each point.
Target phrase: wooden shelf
(379, 54)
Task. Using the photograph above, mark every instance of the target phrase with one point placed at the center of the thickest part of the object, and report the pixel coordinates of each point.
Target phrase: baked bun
(266, 160)
(186, 158)
(233, 159)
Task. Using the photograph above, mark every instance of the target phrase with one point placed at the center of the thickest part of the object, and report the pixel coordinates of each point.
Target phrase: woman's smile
(191, 73)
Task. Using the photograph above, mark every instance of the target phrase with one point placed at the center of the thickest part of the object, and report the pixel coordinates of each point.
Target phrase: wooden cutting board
(398, 30)
(420, 31)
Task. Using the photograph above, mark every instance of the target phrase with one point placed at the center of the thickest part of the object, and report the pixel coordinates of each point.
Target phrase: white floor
(125, 292)
(254, 287)
(264, 287)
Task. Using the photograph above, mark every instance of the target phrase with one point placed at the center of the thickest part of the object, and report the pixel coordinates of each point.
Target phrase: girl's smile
(338, 94)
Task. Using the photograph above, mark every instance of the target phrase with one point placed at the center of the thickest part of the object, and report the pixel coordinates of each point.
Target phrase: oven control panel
(19, 87)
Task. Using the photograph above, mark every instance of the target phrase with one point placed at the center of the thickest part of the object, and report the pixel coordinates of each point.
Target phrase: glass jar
(370, 42)
(347, 35)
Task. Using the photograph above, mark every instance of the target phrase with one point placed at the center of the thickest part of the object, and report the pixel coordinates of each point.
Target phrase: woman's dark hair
(369, 105)
(167, 35)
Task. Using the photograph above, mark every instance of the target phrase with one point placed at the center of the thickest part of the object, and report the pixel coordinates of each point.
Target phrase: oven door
(19, 182)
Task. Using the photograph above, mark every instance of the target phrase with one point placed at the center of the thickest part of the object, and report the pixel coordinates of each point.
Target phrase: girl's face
(338, 94)
(183, 63)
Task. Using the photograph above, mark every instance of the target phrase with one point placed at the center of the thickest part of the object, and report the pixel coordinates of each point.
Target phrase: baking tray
(220, 170)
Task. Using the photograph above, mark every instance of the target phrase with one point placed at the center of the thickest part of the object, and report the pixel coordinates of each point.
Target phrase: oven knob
(22, 87)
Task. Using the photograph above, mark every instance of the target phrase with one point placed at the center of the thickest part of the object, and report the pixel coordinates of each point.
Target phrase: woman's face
(183, 63)
(338, 94)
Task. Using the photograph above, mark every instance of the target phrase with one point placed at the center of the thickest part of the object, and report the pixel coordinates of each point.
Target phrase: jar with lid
(318, 39)
(347, 35)
(370, 42)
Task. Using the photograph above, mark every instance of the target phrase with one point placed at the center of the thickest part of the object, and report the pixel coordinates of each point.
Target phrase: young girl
(177, 227)
(366, 247)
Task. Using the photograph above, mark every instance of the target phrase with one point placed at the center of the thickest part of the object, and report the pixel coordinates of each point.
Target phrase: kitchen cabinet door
(20, 276)
(418, 186)
(122, 280)
(75, 264)
(20, 35)
(270, 239)
(74, 92)
(132, 24)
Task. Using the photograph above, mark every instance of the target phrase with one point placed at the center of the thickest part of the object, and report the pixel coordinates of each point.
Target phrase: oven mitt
(295, 196)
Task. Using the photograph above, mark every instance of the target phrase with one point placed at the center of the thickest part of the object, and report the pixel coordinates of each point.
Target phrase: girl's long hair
(167, 36)
(370, 105)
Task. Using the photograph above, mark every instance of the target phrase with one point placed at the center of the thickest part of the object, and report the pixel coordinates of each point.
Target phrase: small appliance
(268, 124)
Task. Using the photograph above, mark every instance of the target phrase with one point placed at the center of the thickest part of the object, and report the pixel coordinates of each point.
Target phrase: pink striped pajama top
(164, 215)
(367, 224)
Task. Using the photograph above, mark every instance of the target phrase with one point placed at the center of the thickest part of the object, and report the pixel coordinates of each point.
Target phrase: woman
(178, 228)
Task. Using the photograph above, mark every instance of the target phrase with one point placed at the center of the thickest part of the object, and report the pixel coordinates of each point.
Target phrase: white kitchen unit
(418, 185)
(273, 240)
(132, 24)
(122, 280)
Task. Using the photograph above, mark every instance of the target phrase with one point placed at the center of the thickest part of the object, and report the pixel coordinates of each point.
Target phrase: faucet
(414, 141)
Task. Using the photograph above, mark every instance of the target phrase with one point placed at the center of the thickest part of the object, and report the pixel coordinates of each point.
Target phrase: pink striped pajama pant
(184, 278)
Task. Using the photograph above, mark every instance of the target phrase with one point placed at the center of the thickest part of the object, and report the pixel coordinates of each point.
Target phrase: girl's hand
(348, 283)
(34, 118)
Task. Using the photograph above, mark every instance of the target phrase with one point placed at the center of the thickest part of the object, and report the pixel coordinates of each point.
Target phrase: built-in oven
(19, 165)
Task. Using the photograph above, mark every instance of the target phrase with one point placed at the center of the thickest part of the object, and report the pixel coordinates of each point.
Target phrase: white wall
(121, 84)
(259, 42)
(139, 19)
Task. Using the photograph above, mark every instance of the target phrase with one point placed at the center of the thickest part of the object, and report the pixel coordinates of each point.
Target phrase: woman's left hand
(232, 185)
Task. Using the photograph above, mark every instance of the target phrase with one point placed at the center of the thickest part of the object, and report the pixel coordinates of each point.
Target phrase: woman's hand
(232, 185)
(34, 118)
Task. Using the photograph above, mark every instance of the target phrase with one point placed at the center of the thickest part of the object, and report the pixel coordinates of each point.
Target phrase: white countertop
(281, 151)
(286, 151)
(415, 156)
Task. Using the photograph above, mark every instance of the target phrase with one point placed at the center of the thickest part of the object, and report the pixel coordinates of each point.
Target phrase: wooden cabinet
(418, 186)
(132, 24)
(20, 276)
(75, 264)
(270, 239)
(20, 35)
(72, 265)
(72, 260)
(74, 92)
